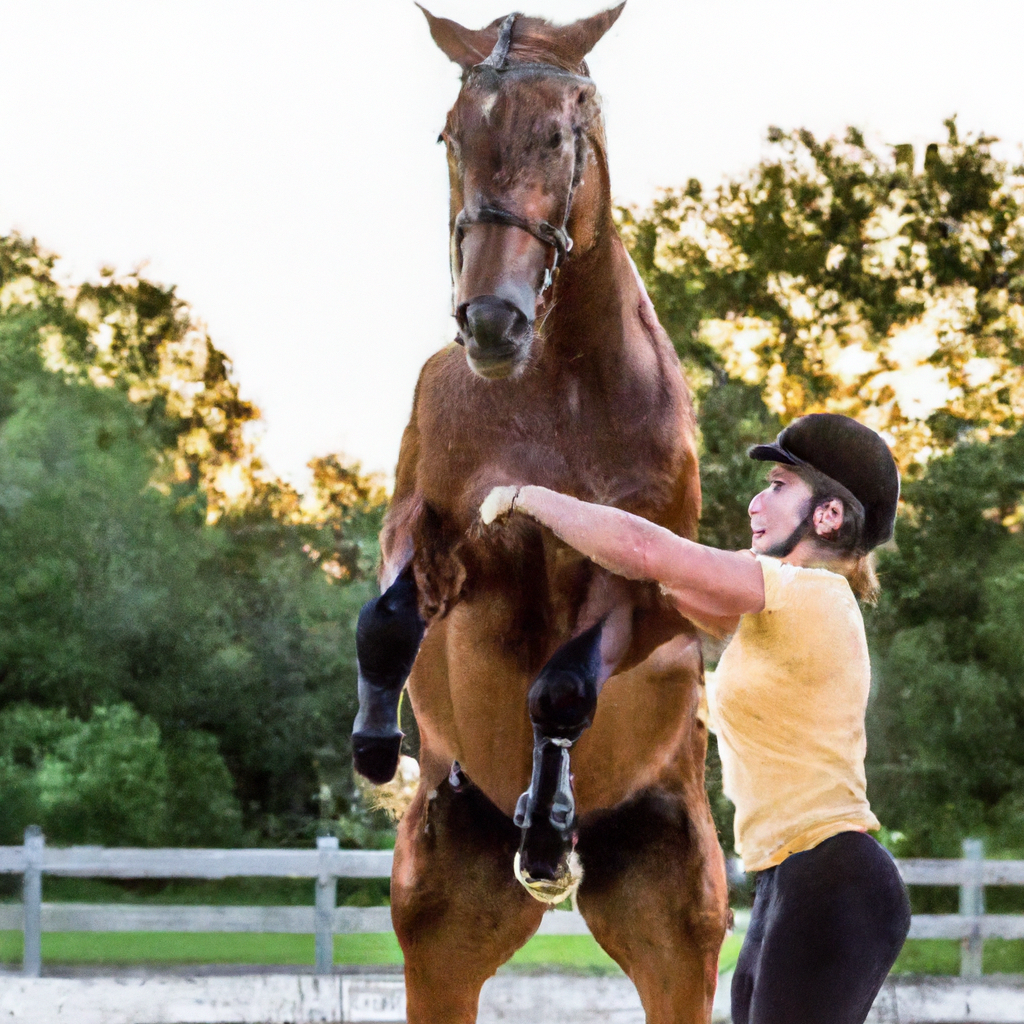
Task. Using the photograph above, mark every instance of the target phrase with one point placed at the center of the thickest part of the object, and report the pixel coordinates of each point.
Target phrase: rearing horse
(555, 701)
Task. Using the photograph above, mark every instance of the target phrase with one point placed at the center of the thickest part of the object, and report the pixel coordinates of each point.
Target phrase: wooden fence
(326, 864)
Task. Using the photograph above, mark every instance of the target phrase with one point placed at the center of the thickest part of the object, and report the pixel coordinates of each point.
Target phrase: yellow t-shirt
(787, 702)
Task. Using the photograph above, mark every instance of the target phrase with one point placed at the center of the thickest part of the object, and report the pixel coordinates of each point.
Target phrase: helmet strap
(805, 527)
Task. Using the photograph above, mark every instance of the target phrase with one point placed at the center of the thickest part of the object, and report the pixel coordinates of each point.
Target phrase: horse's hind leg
(458, 912)
(654, 895)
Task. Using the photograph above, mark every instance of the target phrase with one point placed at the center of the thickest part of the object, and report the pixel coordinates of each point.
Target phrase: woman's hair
(848, 541)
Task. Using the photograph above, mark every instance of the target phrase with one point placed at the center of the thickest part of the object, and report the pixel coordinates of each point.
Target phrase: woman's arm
(706, 583)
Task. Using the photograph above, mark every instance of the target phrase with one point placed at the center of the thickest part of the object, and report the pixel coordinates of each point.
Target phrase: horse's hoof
(376, 757)
(561, 887)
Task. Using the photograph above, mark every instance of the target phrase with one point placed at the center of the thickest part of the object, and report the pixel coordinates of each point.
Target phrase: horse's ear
(579, 38)
(463, 45)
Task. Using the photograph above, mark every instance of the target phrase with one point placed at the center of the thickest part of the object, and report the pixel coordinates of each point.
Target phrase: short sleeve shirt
(787, 702)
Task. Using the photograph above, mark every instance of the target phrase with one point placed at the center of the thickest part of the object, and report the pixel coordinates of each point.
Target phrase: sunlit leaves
(835, 277)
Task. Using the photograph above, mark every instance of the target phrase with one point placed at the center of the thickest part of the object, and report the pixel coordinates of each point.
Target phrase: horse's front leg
(388, 638)
(562, 701)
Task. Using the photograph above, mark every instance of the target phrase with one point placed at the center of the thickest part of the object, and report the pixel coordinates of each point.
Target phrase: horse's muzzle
(496, 333)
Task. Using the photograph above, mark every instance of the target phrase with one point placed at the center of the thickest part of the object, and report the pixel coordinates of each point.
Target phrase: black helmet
(850, 453)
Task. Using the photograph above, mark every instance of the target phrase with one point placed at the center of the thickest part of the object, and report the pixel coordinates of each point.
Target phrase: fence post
(972, 904)
(32, 902)
(323, 914)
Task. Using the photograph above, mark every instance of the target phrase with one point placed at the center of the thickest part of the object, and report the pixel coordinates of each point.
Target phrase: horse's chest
(563, 433)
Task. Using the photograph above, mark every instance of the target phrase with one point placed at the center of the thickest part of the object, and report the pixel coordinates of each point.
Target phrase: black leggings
(826, 926)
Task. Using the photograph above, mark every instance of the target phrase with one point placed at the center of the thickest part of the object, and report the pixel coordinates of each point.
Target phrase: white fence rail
(326, 864)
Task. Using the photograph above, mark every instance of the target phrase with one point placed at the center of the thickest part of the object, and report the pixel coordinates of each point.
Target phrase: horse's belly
(469, 688)
(644, 731)
(468, 691)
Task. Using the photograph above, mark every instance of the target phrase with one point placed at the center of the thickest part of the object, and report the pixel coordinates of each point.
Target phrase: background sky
(277, 161)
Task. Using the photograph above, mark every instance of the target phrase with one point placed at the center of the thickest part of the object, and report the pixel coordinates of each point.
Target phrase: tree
(945, 757)
(112, 779)
(148, 561)
(838, 278)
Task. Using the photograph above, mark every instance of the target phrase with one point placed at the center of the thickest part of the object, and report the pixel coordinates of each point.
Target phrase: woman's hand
(498, 504)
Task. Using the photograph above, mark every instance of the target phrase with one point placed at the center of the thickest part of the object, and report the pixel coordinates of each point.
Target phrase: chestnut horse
(523, 658)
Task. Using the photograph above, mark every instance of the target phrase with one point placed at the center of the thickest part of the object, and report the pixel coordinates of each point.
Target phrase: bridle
(544, 231)
(555, 236)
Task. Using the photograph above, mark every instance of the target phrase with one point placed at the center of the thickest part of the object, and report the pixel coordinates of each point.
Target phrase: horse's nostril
(493, 323)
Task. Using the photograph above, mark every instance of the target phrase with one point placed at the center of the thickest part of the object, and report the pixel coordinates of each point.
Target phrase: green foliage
(148, 563)
(945, 758)
(732, 418)
(837, 277)
(111, 780)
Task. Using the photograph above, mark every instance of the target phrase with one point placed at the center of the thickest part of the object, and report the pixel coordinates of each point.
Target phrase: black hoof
(542, 852)
(376, 757)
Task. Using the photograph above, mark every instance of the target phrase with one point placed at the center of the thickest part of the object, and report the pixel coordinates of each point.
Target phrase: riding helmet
(850, 453)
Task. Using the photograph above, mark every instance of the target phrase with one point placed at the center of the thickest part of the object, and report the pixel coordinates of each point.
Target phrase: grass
(566, 952)
(942, 956)
(578, 953)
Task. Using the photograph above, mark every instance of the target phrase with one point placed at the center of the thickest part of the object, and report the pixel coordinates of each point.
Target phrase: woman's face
(778, 511)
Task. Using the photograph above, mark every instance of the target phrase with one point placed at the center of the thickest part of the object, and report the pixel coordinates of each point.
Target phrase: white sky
(277, 161)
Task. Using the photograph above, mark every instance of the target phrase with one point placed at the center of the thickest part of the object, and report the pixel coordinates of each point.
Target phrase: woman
(830, 910)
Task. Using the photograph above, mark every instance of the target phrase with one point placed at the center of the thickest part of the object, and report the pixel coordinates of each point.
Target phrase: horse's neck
(598, 303)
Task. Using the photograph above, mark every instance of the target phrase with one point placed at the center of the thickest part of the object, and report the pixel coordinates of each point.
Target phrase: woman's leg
(750, 953)
(835, 919)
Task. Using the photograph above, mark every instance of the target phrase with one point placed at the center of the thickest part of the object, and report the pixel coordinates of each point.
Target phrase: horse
(560, 751)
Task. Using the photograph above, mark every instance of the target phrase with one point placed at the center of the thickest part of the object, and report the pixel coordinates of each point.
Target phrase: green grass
(576, 952)
(569, 952)
(167, 948)
(566, 952)
(942, 956)
(730, 952)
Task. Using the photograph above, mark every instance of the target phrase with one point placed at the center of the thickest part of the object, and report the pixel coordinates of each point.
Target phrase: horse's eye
(555, 142)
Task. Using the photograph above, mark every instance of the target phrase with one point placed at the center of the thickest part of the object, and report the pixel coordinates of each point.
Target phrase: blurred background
(224, 258)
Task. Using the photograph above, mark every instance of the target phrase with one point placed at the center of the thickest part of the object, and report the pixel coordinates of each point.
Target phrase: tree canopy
(836, 277)
(166, 605)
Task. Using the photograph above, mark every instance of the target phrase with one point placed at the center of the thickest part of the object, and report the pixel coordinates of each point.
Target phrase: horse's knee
(563, 697)
(388, 638)
(389, 633)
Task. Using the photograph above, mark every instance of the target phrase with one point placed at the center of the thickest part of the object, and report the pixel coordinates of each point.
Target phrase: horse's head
(520, 138)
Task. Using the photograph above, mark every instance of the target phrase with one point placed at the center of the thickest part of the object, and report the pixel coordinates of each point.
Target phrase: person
(830, 910)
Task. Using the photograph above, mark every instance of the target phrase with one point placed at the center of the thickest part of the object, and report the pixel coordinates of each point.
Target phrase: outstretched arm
(706, 583)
